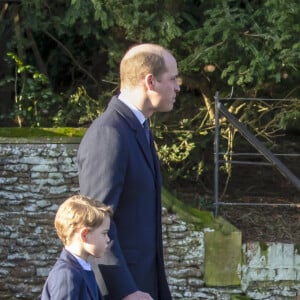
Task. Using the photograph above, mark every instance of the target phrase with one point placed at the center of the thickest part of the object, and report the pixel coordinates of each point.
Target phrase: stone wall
(36, 178)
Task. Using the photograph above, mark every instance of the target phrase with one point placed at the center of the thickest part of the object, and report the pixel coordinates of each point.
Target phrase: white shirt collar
(84, 264)
(136, 112)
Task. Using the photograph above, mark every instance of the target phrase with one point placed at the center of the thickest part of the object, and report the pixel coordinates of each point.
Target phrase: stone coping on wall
(40, 140)
(41, 135)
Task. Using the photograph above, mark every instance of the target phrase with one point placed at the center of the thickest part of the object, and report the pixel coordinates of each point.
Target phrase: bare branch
(70, 55)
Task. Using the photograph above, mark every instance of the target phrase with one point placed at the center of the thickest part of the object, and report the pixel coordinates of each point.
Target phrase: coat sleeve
(102, 163)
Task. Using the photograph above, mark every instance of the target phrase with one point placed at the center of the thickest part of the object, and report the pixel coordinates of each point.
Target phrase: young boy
(82, 225)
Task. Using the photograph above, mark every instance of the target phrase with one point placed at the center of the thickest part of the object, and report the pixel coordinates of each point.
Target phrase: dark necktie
(147, 130)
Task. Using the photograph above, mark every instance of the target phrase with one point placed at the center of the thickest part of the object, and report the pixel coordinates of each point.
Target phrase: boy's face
(97, 240)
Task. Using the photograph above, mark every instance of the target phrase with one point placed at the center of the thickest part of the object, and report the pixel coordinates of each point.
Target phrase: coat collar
(68, 257)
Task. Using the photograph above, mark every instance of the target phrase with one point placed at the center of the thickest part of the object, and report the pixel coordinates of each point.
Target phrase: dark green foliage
(34, 98)
(69, 52)
(80, 109)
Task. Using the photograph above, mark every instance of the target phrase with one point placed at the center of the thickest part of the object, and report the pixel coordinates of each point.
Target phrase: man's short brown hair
(141, 60)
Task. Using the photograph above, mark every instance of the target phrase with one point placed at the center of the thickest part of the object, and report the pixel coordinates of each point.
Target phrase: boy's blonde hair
(78, 211)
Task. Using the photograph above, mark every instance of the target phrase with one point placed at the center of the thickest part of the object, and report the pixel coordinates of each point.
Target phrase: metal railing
(272, 159)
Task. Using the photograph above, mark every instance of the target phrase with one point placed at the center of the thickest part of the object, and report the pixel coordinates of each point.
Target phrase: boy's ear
(83, 234)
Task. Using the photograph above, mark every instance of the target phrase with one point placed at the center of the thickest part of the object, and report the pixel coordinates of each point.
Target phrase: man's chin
(171, 107)
(168, 109)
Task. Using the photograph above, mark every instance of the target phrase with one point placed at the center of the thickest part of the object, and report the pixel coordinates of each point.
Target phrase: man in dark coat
(118, 165)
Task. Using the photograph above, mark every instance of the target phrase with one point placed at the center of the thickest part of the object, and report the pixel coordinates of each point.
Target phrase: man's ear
(83, 234)
(149, 81)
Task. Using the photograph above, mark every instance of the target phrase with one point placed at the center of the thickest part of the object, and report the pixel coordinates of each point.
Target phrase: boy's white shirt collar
(84, 264)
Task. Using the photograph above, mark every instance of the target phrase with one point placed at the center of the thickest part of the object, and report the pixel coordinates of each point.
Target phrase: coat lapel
(146, 148)
(91, 290)
(135, 125)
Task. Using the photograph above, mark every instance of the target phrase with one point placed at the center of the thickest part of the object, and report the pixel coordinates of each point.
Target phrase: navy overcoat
(117, 166)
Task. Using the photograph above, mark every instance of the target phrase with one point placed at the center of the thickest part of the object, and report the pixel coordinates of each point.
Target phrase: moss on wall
(264, 249)
(41, 135)
(12, 132)
(223, 257)
(200, 218)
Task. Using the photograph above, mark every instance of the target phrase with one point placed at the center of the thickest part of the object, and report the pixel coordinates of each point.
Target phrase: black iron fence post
(216, 156)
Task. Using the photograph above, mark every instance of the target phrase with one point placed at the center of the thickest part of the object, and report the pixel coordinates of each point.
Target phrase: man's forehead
(171, 65)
